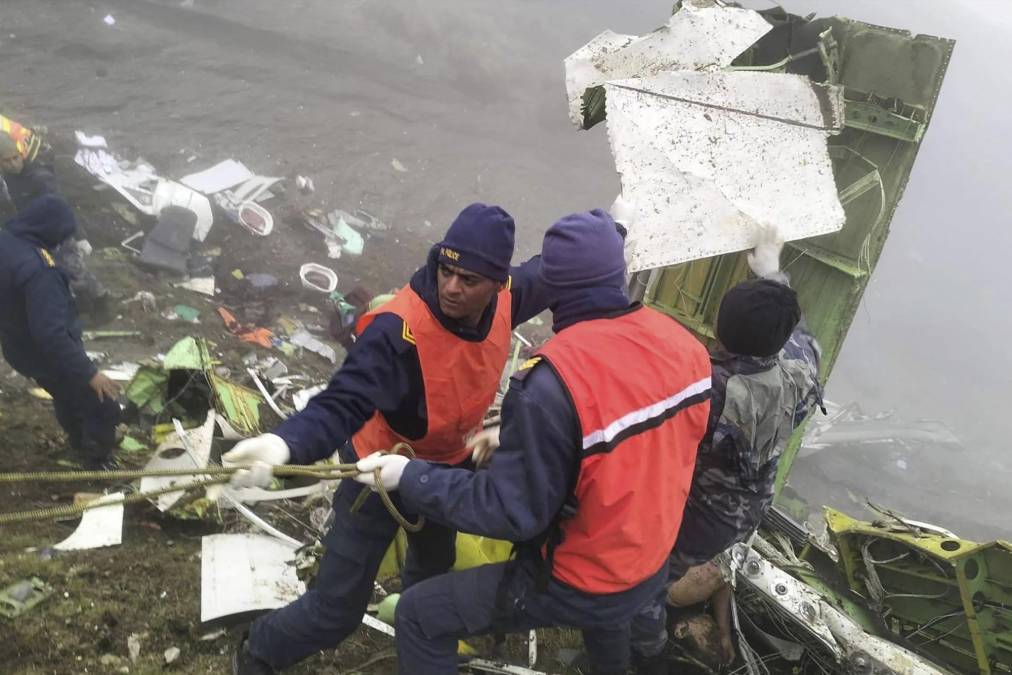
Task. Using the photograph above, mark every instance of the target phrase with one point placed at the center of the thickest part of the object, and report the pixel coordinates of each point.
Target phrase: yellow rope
(223, 473)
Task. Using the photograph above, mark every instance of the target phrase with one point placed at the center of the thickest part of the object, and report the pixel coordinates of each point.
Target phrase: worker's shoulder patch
(47, 257)
(525, 368)
(407, 335)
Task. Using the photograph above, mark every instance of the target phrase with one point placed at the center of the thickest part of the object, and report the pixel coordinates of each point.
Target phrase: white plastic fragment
(255, 218)
(305, 340)
(204, 285)
(109, 20)
(171, 655)
(99, 526)
(86, 141)
(318, 278)
(702, 35)
(245, 573)
(134, 646)
(705, 158)
(221, 176)
(396, 164)
(174, 454)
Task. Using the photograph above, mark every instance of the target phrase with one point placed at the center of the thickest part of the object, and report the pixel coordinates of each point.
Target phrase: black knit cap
(757, 317)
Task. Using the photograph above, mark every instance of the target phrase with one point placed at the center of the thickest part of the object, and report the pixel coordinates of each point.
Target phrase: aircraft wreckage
(724, 119)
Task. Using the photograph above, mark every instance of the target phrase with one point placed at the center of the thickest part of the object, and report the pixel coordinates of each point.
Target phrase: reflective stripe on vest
(460, 377)
(640, 384)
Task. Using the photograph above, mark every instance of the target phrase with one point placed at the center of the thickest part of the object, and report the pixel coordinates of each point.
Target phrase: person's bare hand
(104, 387)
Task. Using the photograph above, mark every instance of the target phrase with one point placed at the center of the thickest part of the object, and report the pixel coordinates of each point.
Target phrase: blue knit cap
(480, 240)
(583, 250)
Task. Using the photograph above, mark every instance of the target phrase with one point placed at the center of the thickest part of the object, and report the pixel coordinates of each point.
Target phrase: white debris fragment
(109, 20)
(134, 646)
(244, 573)
(702, 35)
(708, 157)
(396, 164)
(99, 526)
(221, 176)
(303, 339)
(204, 285)
(171, 454)
(171, 655)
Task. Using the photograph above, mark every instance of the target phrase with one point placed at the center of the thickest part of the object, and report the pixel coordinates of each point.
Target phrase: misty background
(469, 96)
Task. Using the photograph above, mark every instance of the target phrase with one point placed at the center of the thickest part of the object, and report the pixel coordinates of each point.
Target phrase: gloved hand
(764, 259)
(263, 453)
(483, 444)
(391, 469)
(623, 211)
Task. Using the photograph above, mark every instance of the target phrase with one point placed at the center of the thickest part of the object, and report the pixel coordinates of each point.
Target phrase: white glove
(764, 259)
(623, 211)
(483, 444)
(391, 469)
(84, 247)
(263, 453)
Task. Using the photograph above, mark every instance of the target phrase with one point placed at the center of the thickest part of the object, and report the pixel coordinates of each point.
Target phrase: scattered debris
(255, 218)
(203, 285)
(305, 340)
(305, 184)
(147, 300)
(396, 164)
(21, 596)
(129, 240)
(318, 278)
(252, 334)
(172, 454)
(131, 444)
(219, 177)
(168, 193)
(99, 527)
(183, 313)
(167, 245)
(242, 573)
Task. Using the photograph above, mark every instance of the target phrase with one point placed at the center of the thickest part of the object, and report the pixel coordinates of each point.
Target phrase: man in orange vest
(424, 370)
(598, 445)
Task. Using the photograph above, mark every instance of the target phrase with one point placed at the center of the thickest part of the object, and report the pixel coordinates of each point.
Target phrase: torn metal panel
(241, 573)
(172, 454)
(708, 157)
(99, 527)
(701, 35)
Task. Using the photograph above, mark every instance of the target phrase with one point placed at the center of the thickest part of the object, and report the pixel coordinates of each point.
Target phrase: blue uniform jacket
(382, 371)
(39, 330)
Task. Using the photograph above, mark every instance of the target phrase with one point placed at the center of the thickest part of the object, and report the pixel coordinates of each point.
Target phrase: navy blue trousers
(355, 545)
(504, 598)
(89, 423)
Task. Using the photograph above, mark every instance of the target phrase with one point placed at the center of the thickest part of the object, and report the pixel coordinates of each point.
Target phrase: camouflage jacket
(757, 404)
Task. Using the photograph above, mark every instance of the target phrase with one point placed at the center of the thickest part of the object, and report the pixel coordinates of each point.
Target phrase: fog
(470, 96)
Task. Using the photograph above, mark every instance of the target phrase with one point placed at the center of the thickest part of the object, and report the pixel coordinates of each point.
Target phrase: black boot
(244, 663)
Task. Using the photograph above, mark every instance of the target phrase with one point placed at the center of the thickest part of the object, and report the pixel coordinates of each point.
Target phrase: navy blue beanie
(480, 240)
(583, 249)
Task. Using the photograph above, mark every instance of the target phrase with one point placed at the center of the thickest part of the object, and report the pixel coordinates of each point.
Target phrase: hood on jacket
(47, 221)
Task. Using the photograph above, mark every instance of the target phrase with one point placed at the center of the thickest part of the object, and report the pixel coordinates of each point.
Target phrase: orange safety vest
(640, 384)
(28, 142)
(460, 377)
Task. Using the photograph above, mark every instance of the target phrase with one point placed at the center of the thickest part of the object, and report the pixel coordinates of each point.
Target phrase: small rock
(171, 654)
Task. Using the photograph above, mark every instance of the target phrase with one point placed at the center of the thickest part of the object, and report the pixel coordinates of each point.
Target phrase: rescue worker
(424, 370)
(598, 441)
(765, 383)
(24, 179)
(40, 333)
